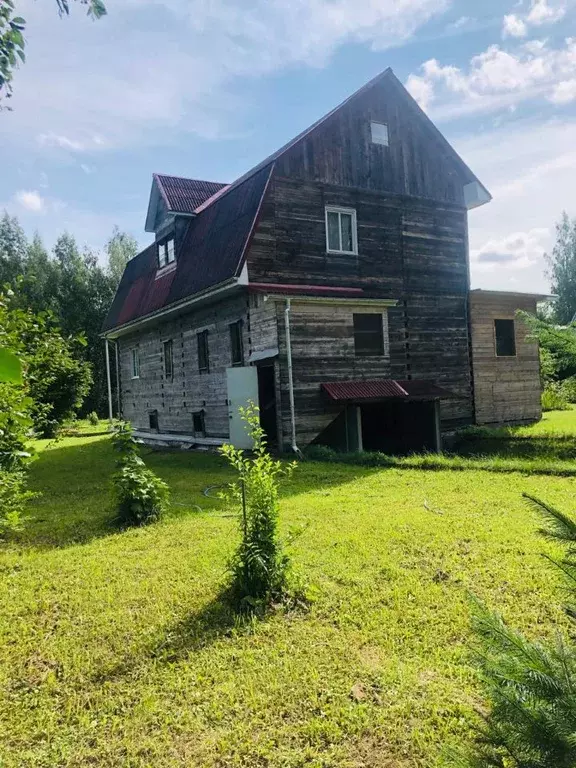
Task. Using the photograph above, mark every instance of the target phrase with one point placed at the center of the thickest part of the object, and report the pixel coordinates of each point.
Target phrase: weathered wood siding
(411, 250)
(340, 150)
(506, 389)
(188, 391)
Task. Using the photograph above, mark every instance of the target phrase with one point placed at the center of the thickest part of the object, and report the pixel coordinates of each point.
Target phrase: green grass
(114, 650)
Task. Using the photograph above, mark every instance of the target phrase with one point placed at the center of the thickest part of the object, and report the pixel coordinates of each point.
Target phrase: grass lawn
(114, 649)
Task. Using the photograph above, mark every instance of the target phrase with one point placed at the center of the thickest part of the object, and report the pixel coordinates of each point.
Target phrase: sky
(208, 88)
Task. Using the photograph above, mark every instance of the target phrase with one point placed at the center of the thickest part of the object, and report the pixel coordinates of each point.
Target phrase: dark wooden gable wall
(340, 150)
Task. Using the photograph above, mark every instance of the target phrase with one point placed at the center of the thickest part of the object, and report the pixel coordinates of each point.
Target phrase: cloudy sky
(208, 88)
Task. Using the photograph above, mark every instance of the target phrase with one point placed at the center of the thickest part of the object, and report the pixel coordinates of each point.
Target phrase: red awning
(385, 389)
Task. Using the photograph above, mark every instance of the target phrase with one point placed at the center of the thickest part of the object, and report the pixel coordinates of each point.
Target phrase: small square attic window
(379, 133)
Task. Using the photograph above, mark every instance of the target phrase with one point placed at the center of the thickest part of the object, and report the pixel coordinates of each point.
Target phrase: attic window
(166, 254)
(379, 133)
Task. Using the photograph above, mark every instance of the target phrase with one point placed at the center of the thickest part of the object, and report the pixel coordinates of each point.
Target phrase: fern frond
(561, 527)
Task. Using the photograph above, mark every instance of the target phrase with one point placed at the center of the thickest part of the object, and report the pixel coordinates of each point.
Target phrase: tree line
(72, 285)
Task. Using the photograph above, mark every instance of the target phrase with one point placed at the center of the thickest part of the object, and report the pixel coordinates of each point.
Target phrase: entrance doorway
(267, 400)
(398, 427)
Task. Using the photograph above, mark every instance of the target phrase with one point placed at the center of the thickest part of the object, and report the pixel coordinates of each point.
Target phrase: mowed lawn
(114, 649)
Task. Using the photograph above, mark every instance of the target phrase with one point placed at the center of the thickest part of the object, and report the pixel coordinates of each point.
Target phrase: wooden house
(330, 285)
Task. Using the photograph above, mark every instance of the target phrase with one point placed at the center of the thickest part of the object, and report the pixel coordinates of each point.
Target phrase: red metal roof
(382, 389)
(185, 195)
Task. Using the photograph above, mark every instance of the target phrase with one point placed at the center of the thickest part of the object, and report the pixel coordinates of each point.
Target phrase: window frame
(237, 326)
(383, 327)
(346, 211)
(166, 246)
(168, 344)
(513, 337)
(205, 345)
(135, 353)
(372, 137)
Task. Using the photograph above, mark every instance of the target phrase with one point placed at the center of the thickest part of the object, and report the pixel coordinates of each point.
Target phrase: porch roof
(386, 389)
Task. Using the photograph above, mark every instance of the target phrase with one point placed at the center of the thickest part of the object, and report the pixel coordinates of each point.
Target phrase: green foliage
(10, 367)
(562, 270)
(259, 567)
(13, 500)
(12, 42)
(548, 365)
(120, 249)
(531, 686)
(141, 496)
(93, 419)
(56, 380)
(559, 342)
(554, 398)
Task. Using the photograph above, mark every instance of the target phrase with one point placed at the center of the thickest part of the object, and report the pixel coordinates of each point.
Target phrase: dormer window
(166, 253)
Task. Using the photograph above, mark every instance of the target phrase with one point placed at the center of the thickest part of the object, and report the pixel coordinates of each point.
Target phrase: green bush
(554, 399)
(93, 419)
(141, 496)
(13, 500)
(568, 388)
(531, 686)
(259, 567)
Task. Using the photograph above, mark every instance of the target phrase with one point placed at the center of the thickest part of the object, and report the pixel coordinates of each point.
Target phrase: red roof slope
(383, 389)
(185, 195)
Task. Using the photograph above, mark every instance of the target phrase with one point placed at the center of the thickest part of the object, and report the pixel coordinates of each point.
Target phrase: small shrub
(259, 567)
(93, 419)
(568, 387)
(13, 500)
(141, 496)
(554, 399)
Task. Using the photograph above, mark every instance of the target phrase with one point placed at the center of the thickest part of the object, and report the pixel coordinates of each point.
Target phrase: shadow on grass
(522, 447)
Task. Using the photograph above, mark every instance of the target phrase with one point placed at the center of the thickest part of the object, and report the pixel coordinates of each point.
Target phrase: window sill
(165, 270)
(134, 378)
(342, 253)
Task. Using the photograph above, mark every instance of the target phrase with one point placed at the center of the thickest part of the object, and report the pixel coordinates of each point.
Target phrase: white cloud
(513, 26)
(497, 78)
(542, 13)
(529, 168)
(30, 200)
(141, 91)
(518, 250)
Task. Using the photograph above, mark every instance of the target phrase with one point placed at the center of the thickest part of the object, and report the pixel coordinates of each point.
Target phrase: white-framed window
(379, 133)
(166, 253)
(135, 363)
(341, 230)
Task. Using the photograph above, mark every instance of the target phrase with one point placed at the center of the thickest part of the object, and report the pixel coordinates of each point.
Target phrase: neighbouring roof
(211, 253)
(385, 389)
(185, 195)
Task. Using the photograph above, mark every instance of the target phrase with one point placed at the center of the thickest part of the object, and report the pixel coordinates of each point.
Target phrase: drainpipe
(109, 382)
(118, 390)
(290, 377)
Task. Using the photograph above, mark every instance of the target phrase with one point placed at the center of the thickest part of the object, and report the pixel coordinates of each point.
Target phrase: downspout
(109, 382)
(294, 445)
(118, 390)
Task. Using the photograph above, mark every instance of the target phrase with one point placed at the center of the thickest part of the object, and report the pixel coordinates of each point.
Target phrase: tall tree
(120, 249)
(12, 42)
(13, 248)
(562, 269)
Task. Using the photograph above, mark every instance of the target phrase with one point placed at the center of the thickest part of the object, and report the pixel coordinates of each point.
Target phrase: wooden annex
(330, 284)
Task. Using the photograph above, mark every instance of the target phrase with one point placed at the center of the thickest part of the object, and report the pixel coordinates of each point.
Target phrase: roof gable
(176, 194)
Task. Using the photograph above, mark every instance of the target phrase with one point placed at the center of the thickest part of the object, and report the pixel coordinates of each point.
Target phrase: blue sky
(208, 88)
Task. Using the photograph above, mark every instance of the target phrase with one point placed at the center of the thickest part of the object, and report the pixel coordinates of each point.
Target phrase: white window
(135, 363)
(379, 133)
(341, 234)
(166, 254)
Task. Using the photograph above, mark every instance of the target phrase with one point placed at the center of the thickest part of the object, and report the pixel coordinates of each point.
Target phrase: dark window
(153, 420)
(198, 424)
(236, 346)
(168, 359)
(505, 338)
(368, 335)
(203, 354)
